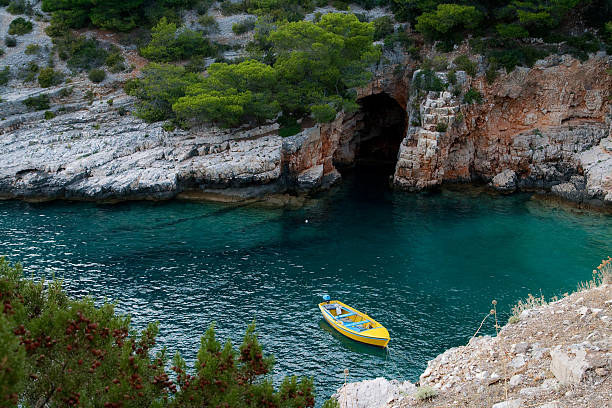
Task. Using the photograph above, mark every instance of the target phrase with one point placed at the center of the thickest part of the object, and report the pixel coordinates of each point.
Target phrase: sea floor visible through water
(427, 266)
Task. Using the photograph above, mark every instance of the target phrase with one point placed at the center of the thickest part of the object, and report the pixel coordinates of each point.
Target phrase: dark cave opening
(380, 128)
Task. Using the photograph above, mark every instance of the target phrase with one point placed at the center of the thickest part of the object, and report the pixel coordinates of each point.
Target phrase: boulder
(376, 393)
(567, 369)
(505, 182)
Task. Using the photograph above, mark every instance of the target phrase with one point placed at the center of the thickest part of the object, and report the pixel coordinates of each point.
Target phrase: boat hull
(378, 336)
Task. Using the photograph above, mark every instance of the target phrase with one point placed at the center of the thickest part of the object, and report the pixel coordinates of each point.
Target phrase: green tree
(159, 88)
(448, 19)
(168, 43)
(320, 63)
(231, 94)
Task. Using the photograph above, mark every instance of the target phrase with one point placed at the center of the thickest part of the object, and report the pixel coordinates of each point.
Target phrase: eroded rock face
(376, 393)
(95, 153)
(545, 124)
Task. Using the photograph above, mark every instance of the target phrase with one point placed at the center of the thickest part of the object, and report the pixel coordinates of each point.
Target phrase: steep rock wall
(538, 123)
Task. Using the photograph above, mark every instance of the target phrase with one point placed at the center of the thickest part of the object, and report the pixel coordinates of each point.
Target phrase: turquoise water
(425, 265)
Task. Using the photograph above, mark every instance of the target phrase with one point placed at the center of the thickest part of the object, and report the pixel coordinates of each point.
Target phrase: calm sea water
(427, 266)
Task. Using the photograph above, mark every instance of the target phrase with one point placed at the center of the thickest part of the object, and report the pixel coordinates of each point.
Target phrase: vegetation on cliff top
(57, 351)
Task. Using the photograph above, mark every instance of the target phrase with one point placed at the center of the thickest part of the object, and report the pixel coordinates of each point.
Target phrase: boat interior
(348, 318)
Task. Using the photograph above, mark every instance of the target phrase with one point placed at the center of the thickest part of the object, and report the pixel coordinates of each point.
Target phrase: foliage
(115, 61)
(159, 88)
(96, 75)
(331, 403)
(5, 75)
(463, 63)
(168, 43)
(57, 351)
(383, 26)
(30, 71)
(244, 26)
(451, 76)
(425, 393)
(39, 102)
(209, 24)
(512, 57)
(441, 127)
(472, 96)
(80, 53)
(427, 80)
(49, 115)
(119, 15)
(20, 26)
(289, 126)
(320, 63)
(231, 94)
(32, 49)
(49, 77)
(20, 7)
(439, 63)
(448, 19)
(511, 31)
(10, 41)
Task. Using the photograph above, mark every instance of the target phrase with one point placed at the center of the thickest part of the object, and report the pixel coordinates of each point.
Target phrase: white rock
(553, 404)
(376, 393)
(513, 403)
(518, 361)
(566, 369)
(516, 380)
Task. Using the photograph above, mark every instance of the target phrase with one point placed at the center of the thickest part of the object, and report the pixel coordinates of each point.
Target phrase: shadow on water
(352, 345)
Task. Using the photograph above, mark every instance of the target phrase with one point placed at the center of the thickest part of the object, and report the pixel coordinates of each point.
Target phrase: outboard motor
(326, 298)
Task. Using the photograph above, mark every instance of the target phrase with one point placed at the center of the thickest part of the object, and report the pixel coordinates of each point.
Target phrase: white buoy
(306, 221)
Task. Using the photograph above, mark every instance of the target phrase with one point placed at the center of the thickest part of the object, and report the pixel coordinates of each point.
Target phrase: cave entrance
(379, 128)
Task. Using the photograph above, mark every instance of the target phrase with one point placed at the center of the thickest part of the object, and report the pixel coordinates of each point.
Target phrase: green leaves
(168, 43)
(446, 19)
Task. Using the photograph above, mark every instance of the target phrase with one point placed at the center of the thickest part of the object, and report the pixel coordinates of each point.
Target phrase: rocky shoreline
(545, 129)
(557, 355)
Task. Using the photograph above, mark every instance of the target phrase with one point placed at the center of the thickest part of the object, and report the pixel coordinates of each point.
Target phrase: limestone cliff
(540, 126)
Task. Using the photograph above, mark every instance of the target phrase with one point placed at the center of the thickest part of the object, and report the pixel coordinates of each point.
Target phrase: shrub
(452, 77)
(49, 115)
(340, 5)
(513, 320)
(448, 19)
(383, 26)
(32, 49)
(288, 126)
(323, 113)
(463, 63)
(441, 127)
(81, 53)
(439, 63)
(10, 41)
(511, 31)
(40, 102)
(49, 77)
(170, 44)
(115, 61)
(159, 88)
(203, 6)
(5, 75)
(1, 52)
(472, 96)
(97, 75)
(20, 7)
(244, 26)
(425, 393)
(20, 26)
(66, 92)
(427, 80)
(29, 73)
(209, 24)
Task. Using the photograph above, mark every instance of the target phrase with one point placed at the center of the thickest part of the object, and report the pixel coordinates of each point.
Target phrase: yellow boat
(353, 324)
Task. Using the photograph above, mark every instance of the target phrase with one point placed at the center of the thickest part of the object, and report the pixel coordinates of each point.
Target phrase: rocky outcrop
(96, 152)
(376, 393)
(555, 355)
(545, 124)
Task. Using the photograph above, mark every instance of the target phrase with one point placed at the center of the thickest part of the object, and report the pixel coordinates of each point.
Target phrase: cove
(426, 265)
